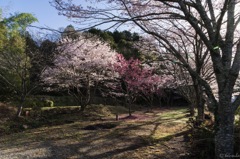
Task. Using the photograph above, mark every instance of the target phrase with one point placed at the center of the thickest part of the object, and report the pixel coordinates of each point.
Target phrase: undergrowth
(201, 140)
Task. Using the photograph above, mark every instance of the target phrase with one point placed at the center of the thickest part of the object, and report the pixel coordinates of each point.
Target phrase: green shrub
(32, 102)
(49, 103)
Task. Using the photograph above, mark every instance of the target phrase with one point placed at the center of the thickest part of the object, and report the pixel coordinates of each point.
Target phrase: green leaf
(19, 21)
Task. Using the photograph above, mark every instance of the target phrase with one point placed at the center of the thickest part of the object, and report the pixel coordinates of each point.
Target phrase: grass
(50, 116)
(146, 136)
(169, 123)
(156, 134)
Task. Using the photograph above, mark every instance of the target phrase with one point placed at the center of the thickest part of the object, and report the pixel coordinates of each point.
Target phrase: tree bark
(86, 98)
(192, 111)
(200, 108)
(199, 101)
(130, 109)
(224, 138)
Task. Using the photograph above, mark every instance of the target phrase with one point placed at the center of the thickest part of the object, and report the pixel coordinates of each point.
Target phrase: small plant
(49, 103)
(33, 102)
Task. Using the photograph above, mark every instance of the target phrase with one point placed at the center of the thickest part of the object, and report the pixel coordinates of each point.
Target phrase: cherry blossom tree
(80, 64)
(130, 76)
(139, 80)
(188, 48)
(195, 53)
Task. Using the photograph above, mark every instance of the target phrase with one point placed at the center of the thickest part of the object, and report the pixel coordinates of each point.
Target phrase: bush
(38, 102)
(32, 102)
(49, 103)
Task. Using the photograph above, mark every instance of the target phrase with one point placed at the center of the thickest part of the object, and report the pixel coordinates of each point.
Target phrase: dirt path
(156, 135)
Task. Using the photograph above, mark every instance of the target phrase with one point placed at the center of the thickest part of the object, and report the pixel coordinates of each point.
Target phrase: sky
(46, 14)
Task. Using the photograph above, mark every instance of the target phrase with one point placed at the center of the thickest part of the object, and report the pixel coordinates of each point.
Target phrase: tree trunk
(130, 109)
(160, 101)
(19, 111)
(88, 93)
(83, 108)
(20, 107)
(151, 103)
(224, 138)
(192, 111)
(200, 108)
(85, 100)
(199, 101)
(128, 103)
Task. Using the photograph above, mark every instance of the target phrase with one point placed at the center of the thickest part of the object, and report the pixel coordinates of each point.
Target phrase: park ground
(96, 134)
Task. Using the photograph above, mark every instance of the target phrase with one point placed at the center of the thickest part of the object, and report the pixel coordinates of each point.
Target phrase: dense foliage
(15, 61)
(123, 42)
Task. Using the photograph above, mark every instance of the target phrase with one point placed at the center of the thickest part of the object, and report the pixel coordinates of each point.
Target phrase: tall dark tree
(123, 42)
(70, 32)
